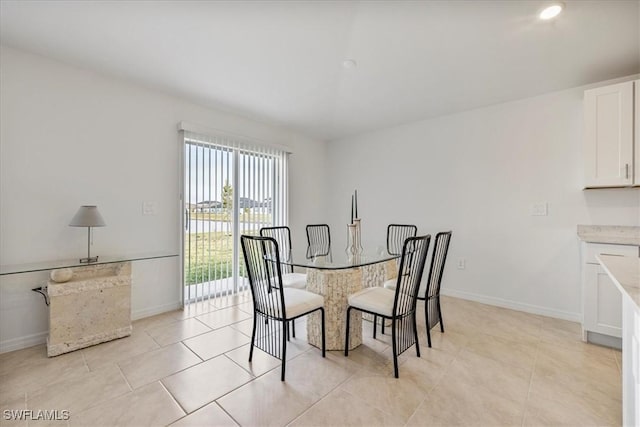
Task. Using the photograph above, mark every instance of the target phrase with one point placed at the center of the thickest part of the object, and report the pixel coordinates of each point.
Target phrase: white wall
(71, 137)
(478, 173)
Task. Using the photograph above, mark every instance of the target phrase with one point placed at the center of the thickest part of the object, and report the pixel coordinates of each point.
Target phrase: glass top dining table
(337, 259)
(335, 276)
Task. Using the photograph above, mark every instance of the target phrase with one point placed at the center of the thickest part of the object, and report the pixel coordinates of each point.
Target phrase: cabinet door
(636, 168)
(603, 303)
(608, 138)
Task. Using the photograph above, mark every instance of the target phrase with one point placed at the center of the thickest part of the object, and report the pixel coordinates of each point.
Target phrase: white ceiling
(281, 61)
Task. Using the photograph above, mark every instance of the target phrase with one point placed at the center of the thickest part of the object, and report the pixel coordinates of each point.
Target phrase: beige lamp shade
(87, 216)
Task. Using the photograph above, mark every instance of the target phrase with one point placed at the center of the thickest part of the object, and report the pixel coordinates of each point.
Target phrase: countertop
(612, 234)
(625, 273)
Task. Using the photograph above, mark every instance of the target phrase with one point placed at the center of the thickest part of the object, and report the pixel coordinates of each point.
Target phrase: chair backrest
(318, 240)
(262, 262)
(282, 235)
(439, 257)
(397, 234)
(434, 280)
(414, 254)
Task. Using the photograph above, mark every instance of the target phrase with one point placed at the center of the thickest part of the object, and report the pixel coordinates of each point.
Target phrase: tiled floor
(491, 367)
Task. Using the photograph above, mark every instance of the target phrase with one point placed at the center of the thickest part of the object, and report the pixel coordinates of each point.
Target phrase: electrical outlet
(462, 263)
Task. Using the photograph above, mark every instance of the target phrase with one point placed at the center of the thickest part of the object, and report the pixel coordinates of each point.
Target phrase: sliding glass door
(230, 188)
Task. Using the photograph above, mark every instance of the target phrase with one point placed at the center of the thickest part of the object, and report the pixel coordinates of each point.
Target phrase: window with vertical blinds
(231, 187)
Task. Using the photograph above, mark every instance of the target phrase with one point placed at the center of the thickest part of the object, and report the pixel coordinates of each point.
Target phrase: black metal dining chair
(431, 292)
(318, 240)
(399, 304)
(282, 235)
(274, 305)
(431, 297)
(397, 234)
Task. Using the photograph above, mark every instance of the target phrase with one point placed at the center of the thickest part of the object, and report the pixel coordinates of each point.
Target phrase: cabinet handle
(626, 170)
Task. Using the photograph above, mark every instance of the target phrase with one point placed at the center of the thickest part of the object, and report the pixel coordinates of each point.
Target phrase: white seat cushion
(298, 302)
(390, 284)
(294, 280)
(376, 300)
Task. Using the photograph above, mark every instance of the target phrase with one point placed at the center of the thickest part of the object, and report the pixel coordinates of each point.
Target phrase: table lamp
(88, 216)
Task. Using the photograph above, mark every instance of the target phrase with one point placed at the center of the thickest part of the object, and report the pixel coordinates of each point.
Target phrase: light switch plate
(149, 208)
(540, 209)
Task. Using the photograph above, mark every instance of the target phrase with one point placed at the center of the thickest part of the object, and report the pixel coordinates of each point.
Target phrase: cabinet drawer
(593, 249)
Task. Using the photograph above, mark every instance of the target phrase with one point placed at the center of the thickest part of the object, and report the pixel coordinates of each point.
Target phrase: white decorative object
(61, 275)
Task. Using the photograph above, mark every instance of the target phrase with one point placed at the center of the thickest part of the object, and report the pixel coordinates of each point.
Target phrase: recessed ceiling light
(349, 63)
(550, 12)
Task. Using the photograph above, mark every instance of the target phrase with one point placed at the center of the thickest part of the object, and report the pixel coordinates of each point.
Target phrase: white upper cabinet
(608, 138)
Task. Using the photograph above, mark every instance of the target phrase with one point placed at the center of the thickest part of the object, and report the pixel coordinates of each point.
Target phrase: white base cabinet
(601, 299)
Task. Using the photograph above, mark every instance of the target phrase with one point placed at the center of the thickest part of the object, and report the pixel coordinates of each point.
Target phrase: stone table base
(336, 286)
(94, 307)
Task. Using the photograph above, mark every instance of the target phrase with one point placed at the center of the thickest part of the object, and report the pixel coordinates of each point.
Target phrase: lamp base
(89, 260)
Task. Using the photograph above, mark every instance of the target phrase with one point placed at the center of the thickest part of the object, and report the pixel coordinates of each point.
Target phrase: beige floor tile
(247, 307)
(261, 362)
(177, 331)
(223, 317)
(618, 355)
(34, 375)
(427, 370)
(568, 410)
(558, 361)
(511, 352)
(118, 350)
(13, 360)
(573, 328)
(195, 309)
(80, 393)
(142, 325)
(13, 403)
(449, 341)
(246, 327)
(315, 374)
(370, 359)
(454, 403)
(216, 342)
(154, 365)
(592, 383)
(203, 383)
(572, 340)
(267, 401)
(340, 408)
(150, 405)
(210, 415)
(479, 372)
(232, 300)
(54, 420)
(490, 376)
(381, 342)
(396, 396)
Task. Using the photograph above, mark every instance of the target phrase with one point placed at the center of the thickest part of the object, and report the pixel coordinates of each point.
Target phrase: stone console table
(91, 308)
(94, 306)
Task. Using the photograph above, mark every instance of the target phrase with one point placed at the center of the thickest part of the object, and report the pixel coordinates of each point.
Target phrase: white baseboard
(23, 342)
(513, 305)
(152, 311)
